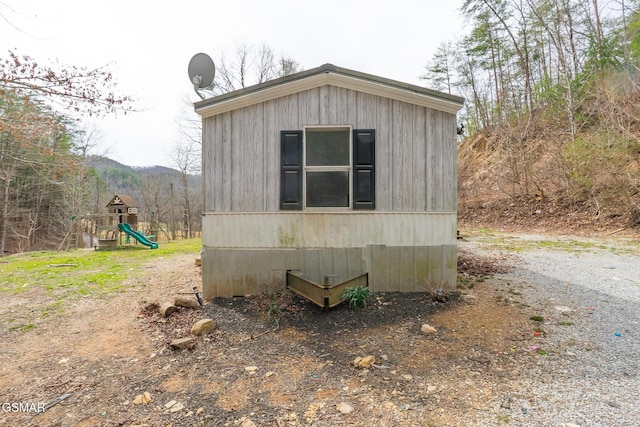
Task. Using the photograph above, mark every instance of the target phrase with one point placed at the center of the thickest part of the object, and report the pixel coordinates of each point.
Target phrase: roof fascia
(449, 104)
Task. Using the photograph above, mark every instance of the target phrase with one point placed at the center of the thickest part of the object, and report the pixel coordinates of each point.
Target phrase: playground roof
(123, 199)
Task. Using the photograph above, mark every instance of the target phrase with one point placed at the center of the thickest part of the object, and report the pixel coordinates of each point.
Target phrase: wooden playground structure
(118, 227)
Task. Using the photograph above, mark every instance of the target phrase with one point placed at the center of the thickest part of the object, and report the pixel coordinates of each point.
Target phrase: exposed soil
(546, 215)
(270, 361)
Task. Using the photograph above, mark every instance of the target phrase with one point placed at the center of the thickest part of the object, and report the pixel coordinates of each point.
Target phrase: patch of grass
(537, 318)
(519, 244)
(275, 311)
(23, 328)
(88, 271)
(357, 296)
(542, 352)
(565, 323)
(504, 418)
(66, 276)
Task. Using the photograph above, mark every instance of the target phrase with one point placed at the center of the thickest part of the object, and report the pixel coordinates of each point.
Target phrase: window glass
(327, 147)
(328, 189)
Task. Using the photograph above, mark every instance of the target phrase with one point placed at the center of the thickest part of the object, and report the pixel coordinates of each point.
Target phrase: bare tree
(250, 65)
(80, 90)
(186, 158)
(40, 167)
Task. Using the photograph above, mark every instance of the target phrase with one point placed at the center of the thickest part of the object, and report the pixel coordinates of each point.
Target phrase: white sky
(149, 45)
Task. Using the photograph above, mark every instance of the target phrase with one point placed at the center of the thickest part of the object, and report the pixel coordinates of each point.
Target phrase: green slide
(138, 236)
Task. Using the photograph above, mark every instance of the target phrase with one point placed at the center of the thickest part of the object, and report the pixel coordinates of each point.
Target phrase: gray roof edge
(327, 68)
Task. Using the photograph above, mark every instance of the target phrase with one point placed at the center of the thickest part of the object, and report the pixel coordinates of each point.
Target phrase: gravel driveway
(588, 292)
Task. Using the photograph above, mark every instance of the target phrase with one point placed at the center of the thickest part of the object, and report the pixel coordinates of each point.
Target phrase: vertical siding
(407, 151)
(208, 169)
(434, 161)
(449, 163)
(237, 161)
(393, 162)
(225, 155)
(227, 273)
(419, 158)
(271, 186)
(415, 150)
(384, 197)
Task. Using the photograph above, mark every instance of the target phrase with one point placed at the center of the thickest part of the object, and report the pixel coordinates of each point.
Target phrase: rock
(200, 411)
(142, 399)
(344, 408)
(202, 326)
(506, 403)
(569, 425)
(363, 362)
(407, 377)
(248, 423)
(427, 329)
(181, 343)
(177, 407)
(563, 309)
(251, 369)
(174, 406)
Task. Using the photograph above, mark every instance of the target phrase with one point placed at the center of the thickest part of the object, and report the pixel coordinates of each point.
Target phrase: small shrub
(537, 318)
(357, 296)
(275, 311)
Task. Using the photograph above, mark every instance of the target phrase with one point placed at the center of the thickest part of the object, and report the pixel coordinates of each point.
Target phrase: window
(327, 167)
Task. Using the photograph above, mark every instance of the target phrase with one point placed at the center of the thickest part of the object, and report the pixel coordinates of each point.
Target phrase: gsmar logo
(28, 407)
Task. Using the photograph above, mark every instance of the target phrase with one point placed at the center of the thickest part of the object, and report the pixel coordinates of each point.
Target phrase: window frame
(336, 168)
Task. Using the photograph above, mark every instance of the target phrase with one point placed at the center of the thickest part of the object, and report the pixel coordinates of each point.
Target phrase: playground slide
(138, 236)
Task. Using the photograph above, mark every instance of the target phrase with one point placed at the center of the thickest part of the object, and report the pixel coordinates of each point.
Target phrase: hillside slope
(495, 189)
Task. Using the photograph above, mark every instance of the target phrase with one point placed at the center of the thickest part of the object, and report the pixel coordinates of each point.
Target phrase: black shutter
(291, 170)
(364, 176)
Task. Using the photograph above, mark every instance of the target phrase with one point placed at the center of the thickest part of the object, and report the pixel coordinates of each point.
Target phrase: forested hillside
(552, 117)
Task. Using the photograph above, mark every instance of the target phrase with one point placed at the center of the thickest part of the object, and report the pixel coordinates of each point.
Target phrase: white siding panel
(326, 230)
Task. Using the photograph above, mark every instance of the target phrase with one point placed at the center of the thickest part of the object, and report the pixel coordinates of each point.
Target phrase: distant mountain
(123, 179)
(105, 163)
(155, 170)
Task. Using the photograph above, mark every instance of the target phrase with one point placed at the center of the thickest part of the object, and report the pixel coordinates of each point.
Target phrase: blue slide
(138, 236)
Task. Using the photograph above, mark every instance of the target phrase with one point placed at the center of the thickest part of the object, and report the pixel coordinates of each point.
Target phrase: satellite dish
(201, 71)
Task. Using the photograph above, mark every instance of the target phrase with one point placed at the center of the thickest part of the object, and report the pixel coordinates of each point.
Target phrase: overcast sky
(148, 45)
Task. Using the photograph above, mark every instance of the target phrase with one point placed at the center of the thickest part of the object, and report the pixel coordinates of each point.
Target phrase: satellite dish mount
(201, 72)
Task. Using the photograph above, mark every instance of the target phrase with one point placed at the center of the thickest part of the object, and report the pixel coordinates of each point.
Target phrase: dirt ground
(277, 361)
